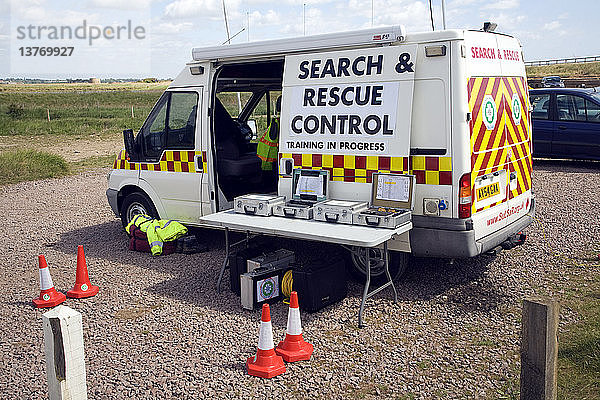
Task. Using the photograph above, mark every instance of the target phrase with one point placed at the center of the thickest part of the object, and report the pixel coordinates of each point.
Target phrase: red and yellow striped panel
(171, 161)
(506, 146)
(352, 168)
(518, 135)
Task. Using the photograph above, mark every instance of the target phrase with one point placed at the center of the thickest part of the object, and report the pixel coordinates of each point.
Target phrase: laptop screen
(310, 184)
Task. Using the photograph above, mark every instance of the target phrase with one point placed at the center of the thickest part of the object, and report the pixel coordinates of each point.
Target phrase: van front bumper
(456, 239)
(111, 195)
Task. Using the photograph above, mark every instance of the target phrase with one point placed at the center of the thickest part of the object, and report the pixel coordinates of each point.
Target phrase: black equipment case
(238, 262)
(319, 283)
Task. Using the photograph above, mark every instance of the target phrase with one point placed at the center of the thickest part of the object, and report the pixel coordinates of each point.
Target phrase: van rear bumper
(457, 243)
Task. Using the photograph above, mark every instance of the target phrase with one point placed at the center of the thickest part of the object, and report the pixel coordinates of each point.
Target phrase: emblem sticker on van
(515, 106)
(488, 191)
(489, 112)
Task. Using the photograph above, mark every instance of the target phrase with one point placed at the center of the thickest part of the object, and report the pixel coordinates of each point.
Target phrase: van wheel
(397, 264)
(134, 204)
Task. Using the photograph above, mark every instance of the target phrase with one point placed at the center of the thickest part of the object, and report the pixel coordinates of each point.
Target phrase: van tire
(136, 203)
(397, 264)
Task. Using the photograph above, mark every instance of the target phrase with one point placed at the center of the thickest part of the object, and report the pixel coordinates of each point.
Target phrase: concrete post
(539, 349)
(65, 362)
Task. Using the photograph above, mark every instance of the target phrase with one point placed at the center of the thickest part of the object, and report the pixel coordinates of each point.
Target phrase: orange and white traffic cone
(265, 364)
(293, 347)
(49, 297)
(83, 286)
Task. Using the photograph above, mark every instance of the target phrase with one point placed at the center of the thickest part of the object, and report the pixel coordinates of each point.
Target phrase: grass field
(85, 127)
(73, 112)
(565, 70)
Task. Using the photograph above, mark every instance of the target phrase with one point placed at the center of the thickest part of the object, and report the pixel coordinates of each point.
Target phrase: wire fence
(572, 60)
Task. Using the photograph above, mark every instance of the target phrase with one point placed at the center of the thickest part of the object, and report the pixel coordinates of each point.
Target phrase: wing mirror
(129, 143)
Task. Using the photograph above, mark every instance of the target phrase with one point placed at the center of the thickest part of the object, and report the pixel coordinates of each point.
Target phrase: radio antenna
(226, 23)
(430, 14)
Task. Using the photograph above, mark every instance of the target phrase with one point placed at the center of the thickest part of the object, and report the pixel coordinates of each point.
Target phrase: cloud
(507, 23)
(200, 8)
(172, 28)
(460, 3)
(502, 5)
(551, 26)
(120, 4)
(270, 18)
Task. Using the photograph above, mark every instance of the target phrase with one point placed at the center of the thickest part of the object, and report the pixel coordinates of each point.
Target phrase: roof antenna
(444, 14)
(304, 17)
(227, 23)
(430, 14)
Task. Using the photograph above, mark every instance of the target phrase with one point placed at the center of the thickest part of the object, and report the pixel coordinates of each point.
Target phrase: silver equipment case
(338, 211)
(309, 187)
(257, 204)
(278, 258)
(392, 201)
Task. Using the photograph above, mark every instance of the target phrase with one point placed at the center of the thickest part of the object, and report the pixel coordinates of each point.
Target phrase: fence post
(65, 362)
(539, 349)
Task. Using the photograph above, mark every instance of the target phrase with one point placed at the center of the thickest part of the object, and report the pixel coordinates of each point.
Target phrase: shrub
(15, 111)
(30, 165)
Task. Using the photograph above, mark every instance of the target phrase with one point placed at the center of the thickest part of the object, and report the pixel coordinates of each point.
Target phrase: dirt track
(158, 329)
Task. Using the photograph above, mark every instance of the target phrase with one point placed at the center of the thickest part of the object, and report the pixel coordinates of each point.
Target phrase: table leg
(225, 262)
(386, 258)
(366, 289)
(389, 282)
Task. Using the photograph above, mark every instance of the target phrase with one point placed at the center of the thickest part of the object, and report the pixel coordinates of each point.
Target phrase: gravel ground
(157, 329)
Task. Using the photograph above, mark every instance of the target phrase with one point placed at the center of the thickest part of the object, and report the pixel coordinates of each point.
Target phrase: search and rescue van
(450, 108)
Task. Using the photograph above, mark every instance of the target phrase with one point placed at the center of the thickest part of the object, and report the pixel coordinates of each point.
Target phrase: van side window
(182, 120)
(541, 106)
(153, 132)
(170, 125)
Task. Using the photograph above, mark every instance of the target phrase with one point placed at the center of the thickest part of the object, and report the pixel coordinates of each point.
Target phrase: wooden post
(65, 359)
(48, 112)
(539, 349)
(132, 112)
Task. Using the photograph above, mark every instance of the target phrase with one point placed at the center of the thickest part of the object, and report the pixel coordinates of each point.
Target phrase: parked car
(552, 81)
(566, 123)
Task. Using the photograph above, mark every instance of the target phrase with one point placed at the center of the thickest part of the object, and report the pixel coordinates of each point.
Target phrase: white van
(450, 107)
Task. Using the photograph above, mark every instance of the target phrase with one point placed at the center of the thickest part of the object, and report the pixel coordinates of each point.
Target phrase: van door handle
(199, 163)
(562, 127)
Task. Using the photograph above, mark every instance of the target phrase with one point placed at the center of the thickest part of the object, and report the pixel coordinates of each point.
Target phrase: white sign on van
(327, 110)
(348, 102)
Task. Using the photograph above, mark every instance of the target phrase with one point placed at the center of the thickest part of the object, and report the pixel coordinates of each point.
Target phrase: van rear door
(500, 140)
(489, 176)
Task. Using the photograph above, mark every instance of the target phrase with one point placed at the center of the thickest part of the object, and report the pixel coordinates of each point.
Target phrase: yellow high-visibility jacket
(157, 231)
(268, 145)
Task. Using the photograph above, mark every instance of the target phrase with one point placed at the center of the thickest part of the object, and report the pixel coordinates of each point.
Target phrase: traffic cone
(49, 297)
(265, 364)
(83, 287)
(293, 347)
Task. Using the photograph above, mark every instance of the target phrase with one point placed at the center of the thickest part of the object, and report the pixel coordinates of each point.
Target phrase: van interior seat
(235, 158)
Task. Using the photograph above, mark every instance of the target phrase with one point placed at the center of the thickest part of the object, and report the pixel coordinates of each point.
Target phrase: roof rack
(382, 35)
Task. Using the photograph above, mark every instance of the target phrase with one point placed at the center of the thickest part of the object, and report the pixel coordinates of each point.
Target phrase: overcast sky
(547, 29)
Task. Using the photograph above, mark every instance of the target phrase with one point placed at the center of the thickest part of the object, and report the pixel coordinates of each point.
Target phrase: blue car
(566, 123)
